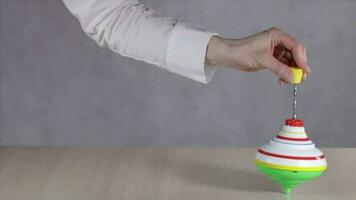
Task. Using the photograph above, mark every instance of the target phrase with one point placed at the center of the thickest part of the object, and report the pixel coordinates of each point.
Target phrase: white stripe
(286, 144)
(293, 129)
(308, 151)
(292, 135)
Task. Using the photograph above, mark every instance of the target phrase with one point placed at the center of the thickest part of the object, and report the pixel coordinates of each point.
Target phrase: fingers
(285, 61)
(279, 51)
(288, 55)
(281, 82)
(281, 70)
(305, 76)
(298, 50)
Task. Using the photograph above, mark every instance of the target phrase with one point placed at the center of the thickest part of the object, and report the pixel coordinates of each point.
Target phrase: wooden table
(100, 173)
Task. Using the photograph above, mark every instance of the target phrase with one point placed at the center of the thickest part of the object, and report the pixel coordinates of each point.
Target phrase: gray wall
(58, 87)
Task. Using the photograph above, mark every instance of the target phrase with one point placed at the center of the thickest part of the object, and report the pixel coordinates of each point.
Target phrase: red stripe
(291, 157)
(292, 139)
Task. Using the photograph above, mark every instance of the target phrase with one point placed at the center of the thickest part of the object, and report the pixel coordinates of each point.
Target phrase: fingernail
(290, 78)
(308, 69)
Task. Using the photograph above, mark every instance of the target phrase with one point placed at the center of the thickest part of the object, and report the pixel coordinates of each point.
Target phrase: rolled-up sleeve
(127, 28)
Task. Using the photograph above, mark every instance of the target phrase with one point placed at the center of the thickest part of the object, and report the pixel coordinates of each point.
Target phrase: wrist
(217, 51)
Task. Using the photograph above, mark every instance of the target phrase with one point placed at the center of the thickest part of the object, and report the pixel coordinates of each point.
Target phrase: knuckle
(301, 46)
(304, 48)
(280, 71)
(297, 48)
(275, 32)
(274, 28)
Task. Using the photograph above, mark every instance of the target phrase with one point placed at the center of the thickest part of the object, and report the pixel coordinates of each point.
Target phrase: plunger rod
(294, 107)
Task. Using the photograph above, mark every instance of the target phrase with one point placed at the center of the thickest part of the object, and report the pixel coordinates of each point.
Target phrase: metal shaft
(295, 88)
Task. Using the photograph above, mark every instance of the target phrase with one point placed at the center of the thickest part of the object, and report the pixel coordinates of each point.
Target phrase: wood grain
(74, 173)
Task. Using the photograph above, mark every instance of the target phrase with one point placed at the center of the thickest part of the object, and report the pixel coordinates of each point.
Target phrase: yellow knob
(298, 74)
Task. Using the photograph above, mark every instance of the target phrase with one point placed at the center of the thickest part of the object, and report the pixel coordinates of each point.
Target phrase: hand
(271, 49)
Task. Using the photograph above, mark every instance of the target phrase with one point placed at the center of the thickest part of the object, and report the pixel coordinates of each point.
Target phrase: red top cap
(294, 122)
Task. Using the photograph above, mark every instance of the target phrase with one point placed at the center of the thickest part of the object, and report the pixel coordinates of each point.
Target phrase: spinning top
(291, 158)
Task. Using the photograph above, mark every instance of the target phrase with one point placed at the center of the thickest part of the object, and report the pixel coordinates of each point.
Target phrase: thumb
(281, 70)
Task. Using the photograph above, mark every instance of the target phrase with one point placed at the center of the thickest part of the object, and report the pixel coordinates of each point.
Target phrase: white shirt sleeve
(129, 29)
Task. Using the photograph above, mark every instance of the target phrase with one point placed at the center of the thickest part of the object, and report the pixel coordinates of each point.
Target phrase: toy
(291, 158)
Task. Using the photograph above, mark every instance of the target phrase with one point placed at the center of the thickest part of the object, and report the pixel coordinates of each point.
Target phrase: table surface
(75, 173)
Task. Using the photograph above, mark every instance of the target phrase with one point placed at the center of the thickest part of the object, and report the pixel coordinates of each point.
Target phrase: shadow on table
(229, 178)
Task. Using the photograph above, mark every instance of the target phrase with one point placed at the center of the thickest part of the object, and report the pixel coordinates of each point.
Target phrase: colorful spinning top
(291, 158)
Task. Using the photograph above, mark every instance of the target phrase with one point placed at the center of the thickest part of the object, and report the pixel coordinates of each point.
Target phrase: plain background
(59, 88)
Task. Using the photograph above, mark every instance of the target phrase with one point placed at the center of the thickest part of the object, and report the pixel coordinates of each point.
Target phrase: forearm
(129, 29)
(125, 27)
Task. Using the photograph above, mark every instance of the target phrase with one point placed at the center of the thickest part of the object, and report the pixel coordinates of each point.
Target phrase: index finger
(298, 50)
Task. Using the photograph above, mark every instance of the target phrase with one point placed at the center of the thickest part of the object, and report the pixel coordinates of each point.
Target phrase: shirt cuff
(186, 50)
